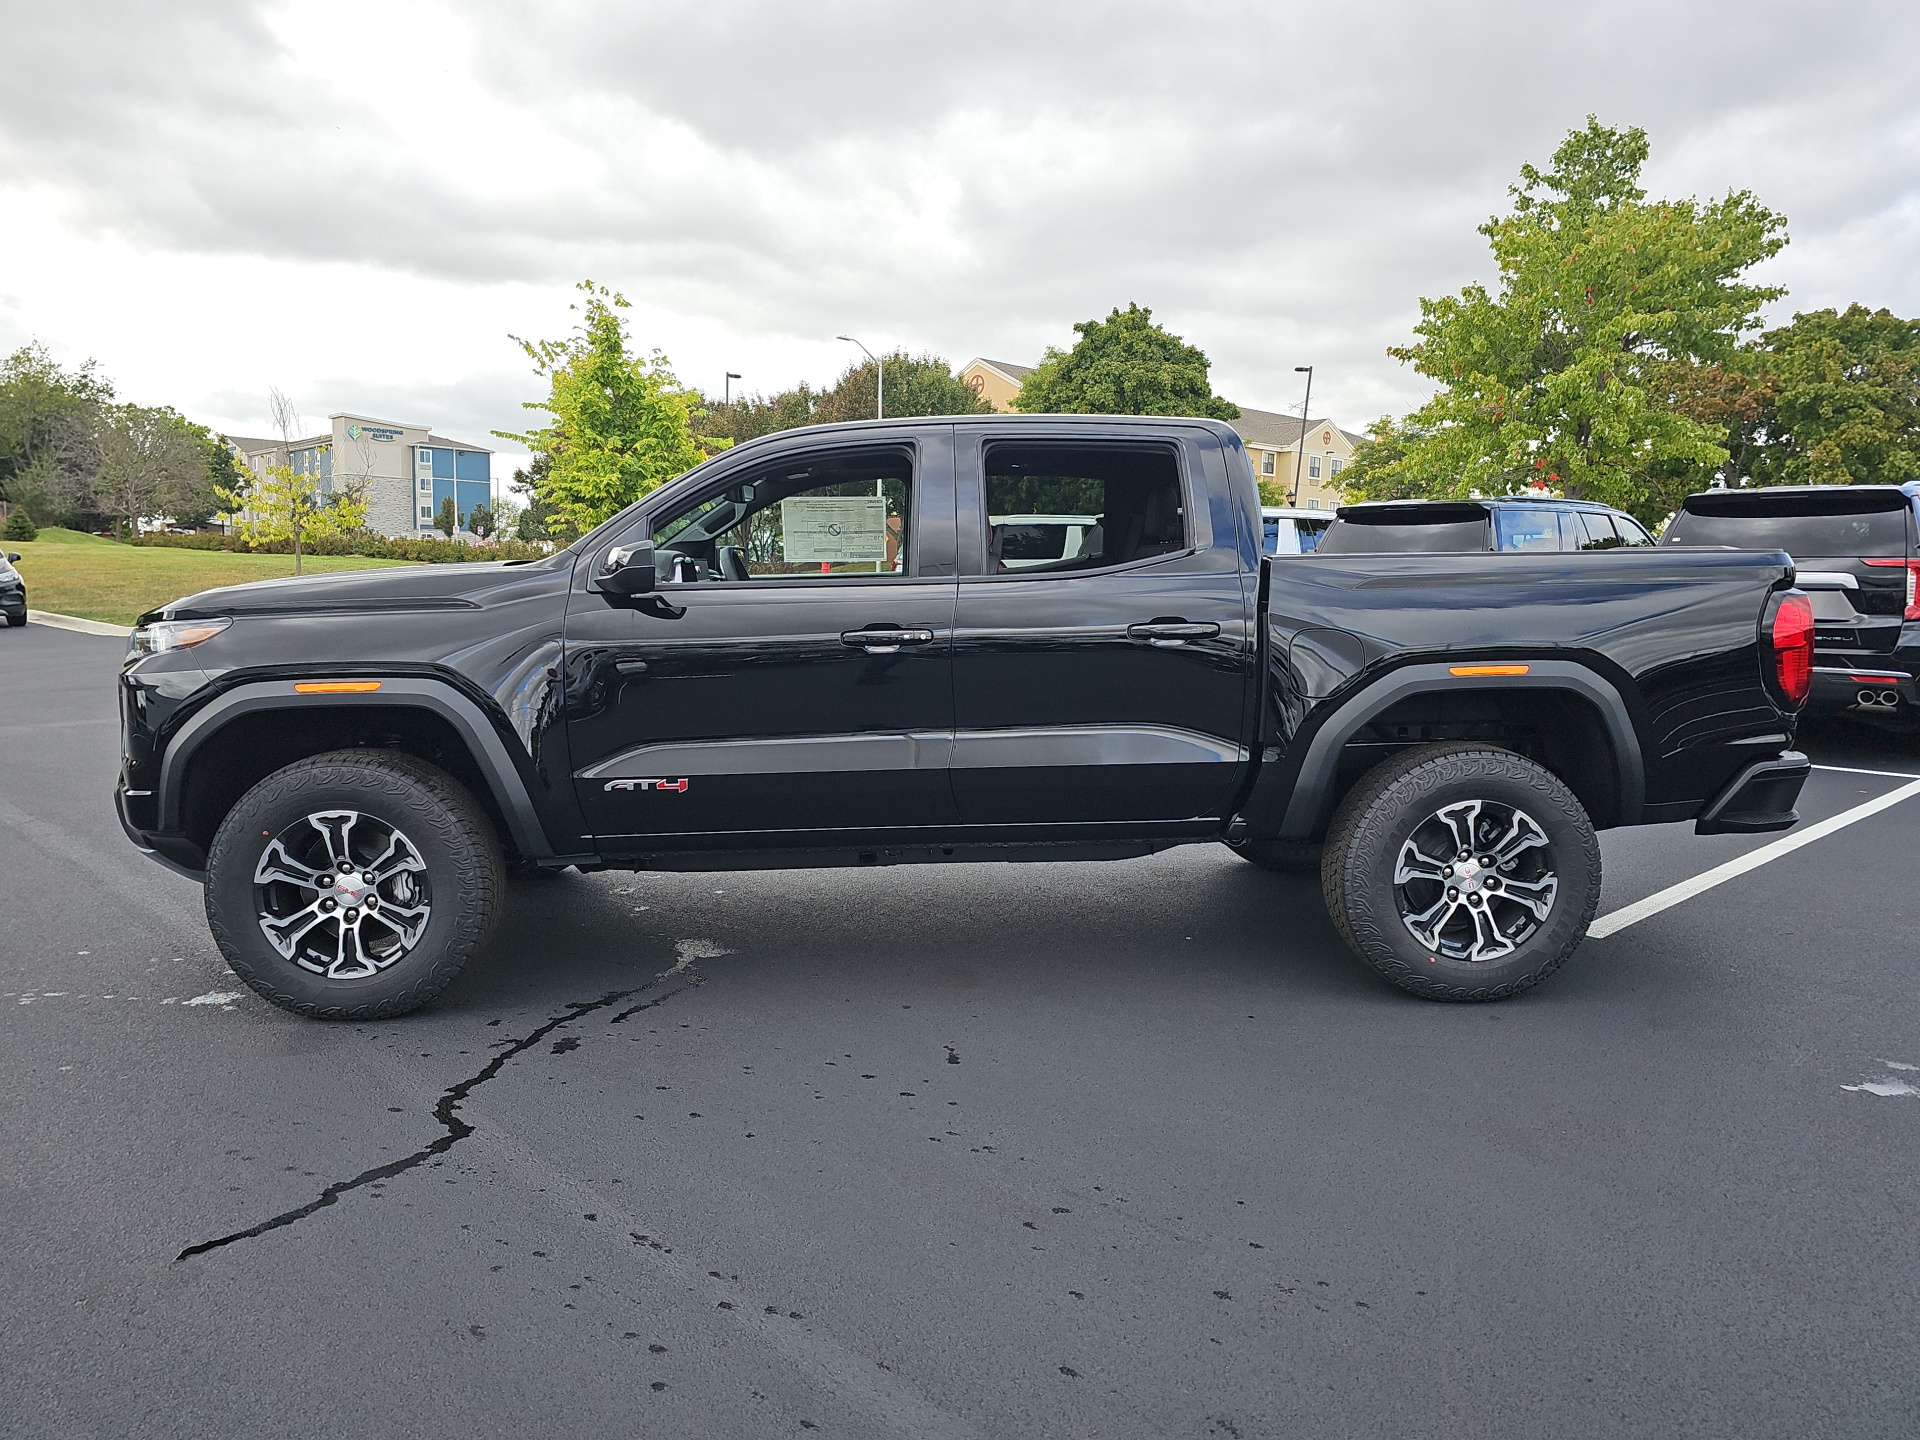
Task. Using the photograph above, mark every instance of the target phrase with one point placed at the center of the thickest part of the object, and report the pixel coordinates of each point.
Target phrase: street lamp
(879, 378)
(726, 387)
(1300, 459)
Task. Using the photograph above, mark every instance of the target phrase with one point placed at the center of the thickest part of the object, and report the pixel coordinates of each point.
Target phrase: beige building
(1272, 439)
(405, 472)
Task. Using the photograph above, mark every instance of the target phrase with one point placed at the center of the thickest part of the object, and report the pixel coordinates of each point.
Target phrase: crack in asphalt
(446, 1109)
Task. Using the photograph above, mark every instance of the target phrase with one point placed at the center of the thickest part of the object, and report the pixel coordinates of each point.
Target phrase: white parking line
(1883, 774)
(1618, 920)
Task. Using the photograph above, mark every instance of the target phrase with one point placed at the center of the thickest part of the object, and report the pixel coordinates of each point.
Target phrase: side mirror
(627, 570)
(12, 555)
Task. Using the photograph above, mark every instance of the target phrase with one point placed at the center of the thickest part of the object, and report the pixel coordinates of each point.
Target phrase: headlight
(164, 635)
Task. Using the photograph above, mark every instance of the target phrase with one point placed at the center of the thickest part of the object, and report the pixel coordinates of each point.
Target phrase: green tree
(1556, 377)
(282, 503)
(50, 421)
(1844, 400)
(1124, 365)
(480, 523)
(916, 385)
(751, 416)
(622, 424)
(19, 525)
(447, 519)
(153, 461)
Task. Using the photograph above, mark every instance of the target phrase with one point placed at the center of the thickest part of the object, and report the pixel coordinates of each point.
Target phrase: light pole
(726, 387)
(1300, 459)
(879, 379)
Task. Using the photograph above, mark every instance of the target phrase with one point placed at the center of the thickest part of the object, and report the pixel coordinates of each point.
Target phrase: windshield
(1875, 533)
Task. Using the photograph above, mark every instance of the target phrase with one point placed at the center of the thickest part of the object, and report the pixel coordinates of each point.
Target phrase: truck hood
(396, 587)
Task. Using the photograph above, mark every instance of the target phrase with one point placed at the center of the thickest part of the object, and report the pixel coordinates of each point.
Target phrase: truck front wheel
(353, 885)
(1461, 872)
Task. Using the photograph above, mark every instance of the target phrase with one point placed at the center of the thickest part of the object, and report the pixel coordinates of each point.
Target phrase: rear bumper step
(1760, 798)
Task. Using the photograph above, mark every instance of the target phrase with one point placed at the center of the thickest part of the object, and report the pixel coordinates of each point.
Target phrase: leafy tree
(536, 520)
(49, 430)
(1379, 469)
(153, 461)
(1124, 365)
(447, 519)
(19, 525)
(1557, 375)
(752, 416)
(622, 424)
(480, 522)
(916, 385)
(1843, 403)
(283, 503)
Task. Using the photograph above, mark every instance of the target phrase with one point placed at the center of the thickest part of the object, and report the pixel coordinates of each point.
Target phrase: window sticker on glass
(830, 528)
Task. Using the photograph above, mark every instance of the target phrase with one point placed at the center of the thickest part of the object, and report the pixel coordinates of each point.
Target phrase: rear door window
(1527, 529)
(1054, 507)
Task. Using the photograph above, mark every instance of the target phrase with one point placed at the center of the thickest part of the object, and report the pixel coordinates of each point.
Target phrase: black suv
(13, 590)
(1856, 552)
(1512, 523)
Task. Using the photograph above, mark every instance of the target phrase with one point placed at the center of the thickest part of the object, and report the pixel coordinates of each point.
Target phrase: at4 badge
(679, 785)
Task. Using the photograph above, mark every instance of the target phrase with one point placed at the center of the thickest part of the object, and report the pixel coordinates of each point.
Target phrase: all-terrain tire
(454, 840)
(1379, 816)
(1285, 857)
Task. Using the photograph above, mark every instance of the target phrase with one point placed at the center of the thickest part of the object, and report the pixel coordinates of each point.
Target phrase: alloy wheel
(1475, 880)
(342, 894)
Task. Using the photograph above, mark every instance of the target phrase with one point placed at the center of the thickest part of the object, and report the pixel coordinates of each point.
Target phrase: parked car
(13, 590)
(1514, 523)
(1285, 530)
(1858, 552)
(347, 762)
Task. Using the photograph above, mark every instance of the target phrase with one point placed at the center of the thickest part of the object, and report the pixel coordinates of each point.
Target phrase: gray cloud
(1281, 182)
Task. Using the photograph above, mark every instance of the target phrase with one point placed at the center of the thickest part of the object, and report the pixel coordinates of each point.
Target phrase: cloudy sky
(360, 200)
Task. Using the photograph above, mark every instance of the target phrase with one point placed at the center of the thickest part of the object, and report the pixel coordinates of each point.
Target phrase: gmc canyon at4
(840, 646)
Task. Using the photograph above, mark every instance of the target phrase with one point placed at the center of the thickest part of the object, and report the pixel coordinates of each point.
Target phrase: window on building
(426, 484)
(1313, 466)
(1338, 465)
(1266, 462)
(471, 465)
(1313, 504)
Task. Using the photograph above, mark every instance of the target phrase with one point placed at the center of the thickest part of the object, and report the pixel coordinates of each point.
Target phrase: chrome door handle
(1173, 632)
(884, 641)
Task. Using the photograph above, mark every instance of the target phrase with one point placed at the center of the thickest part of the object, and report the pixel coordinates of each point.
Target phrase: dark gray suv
(13, 591)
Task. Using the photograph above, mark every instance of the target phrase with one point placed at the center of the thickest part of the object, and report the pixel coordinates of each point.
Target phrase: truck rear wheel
(353, 885)
(1461, 872)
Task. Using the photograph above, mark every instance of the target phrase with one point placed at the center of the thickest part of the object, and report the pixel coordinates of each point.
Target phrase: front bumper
(176, 852)
(1760, 798)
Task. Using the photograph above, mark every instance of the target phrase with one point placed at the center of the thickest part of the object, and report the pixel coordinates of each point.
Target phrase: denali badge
(679, 785)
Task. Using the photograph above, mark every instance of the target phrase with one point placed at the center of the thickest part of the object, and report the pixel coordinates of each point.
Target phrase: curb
(74, 622)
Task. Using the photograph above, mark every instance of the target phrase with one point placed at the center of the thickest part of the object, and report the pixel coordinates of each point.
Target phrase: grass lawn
(73, 574)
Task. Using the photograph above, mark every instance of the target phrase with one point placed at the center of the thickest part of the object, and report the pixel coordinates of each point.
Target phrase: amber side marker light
(334, 687)
(1488, 669)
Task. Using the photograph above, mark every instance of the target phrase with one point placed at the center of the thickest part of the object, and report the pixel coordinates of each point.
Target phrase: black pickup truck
(836, 646)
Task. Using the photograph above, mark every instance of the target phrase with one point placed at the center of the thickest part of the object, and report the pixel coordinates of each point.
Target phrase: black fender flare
(468, 720)
(1312, 797)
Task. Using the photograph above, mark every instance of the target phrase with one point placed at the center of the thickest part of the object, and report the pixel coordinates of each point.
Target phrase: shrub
(374, 547)
(20, 525)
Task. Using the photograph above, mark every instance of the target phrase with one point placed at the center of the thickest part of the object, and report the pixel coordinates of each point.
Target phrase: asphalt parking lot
(1132, 1149)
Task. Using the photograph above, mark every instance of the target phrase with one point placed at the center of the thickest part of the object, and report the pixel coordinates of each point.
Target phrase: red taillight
(1913, 581)
(1793, 647)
